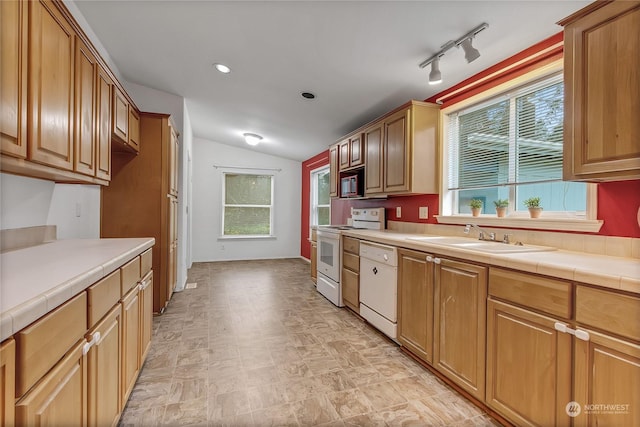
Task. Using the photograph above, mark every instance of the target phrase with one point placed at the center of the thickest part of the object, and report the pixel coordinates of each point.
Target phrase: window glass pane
(247, 189)
(486, 195)
(323, 188)
(324, 215)
(247, 221)
(554, 196)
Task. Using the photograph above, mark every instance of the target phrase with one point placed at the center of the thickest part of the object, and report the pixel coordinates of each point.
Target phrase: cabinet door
(7, 382)
(356, 157)
(607, 372)
(120, 116)
(130, 341)
(104, 370)
(374, 160)
(528, 366)
(84, 116)
(344, 155)
(134, 129)
(415, 303)
(103, 123)
(333, 171)
(146, 315)
(60, 398)
(13, 75)
(397, 153)
(51, 83)
(173, 163)
(460, 323)
(314, 262)
(351, 289)
(602, 78)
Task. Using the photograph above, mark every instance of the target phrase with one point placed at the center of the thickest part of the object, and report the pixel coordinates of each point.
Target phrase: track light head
(470, 53)
(435, 76)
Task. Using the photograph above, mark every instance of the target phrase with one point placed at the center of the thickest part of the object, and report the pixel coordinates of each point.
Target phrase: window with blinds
(510, 147)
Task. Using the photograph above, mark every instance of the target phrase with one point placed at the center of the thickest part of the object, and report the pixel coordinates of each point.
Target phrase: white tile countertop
(601, 270)
(35, 280)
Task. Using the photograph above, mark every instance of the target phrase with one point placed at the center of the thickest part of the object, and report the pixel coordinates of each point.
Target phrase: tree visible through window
(320, 200)
(248, 205)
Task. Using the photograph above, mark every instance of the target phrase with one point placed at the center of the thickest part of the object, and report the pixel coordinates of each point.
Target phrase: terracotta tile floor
(255, 344)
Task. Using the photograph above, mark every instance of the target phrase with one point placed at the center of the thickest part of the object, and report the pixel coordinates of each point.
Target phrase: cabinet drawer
(130, 275)
(103, 296)
(351, 245)
(608, 311)
(350, 261)
(540, 293)
(40, 346)
(145, 262)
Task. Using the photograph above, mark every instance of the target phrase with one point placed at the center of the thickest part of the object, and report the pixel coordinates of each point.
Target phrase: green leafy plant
(532, 202)
(475, 203)
(501, 203)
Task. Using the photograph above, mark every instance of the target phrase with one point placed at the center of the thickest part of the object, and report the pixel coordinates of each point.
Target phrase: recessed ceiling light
(308, 95)
(222, 68)
(252, 138)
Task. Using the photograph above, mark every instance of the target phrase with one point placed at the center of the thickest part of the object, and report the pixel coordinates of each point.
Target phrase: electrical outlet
(423, 212)
(399, 212)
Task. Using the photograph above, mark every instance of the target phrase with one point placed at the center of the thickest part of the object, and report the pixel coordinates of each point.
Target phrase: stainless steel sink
(442, 240)
(480, 246)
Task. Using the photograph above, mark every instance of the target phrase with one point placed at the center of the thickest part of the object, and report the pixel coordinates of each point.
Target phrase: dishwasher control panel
(382, 254)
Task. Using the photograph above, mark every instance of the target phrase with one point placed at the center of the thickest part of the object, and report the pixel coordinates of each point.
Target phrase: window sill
(246, 237)
(558, 224)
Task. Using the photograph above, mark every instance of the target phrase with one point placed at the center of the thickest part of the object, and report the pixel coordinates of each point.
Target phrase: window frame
(313, 199)
(516, 219)
(271, 207)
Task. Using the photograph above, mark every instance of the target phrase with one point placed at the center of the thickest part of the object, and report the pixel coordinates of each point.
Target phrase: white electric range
(330, 250)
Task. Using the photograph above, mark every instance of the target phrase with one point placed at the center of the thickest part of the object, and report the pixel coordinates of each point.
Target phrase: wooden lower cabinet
(350, 277)
(60, 397)
(415, 303)
(606, 372)
(460, 296)
(146, 315)
(104, 368)
(314, 262)
(7, 382)
(528, 366)
(130, 341)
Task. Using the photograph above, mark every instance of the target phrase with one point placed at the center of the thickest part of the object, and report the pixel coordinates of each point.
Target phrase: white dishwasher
(379, 286)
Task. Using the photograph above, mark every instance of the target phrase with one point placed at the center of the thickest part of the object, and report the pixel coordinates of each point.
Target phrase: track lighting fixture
(470, 53)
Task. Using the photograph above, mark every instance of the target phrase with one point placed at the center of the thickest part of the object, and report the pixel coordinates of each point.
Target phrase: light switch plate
(399, 212)
(423, 212)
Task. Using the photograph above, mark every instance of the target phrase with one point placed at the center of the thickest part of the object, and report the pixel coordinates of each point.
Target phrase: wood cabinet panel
(146, 262)
(351, 245)
(174, 149)
(7, 382)
(130, 275)
(344, 155)
(134, 129)
(608, 311)
(460, 294)
(102, 296)
(60, 398)
(41, 345)
(104, 371)
(607, 372)
(528, 366)
(314, 262)
(415, 303)
(397, 154)
(146, 315)
(103, 124)
(333, 170)
(351, 261)
(13, 78)
(120, 116)
(130, 341)
(373, 146)
(540, 293)
(84, 119)
(356, 157)
(51, 83)
(602, 86)
(351, 289)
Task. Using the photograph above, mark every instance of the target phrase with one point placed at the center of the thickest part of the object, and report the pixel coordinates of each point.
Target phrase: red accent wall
(618, 205)
(341, 208)
(315, 162)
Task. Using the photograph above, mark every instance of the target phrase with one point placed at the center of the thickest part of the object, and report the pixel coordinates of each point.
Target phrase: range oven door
(329, 254)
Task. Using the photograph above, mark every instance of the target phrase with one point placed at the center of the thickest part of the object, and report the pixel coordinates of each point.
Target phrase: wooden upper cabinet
(344, 155)
(351, 152)
(373, 159)
(134, 129)
(13, 75)
(120, 116)
(602, 88)
(333, 170)
(103, 124)
(397, 152)
(84, 117)
(51, 82)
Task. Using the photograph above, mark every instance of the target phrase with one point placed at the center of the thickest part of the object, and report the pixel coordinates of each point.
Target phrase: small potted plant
(476, 206)
(501, 207)
(533, 203)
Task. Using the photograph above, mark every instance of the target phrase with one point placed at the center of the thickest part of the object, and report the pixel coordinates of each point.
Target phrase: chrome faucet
(481, 233)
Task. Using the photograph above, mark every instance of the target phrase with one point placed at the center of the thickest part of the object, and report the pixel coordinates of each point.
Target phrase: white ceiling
(360, 58)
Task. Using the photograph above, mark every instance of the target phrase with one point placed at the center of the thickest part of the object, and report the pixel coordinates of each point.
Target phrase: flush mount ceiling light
(222, 68)
(252, 138)
(471, 53)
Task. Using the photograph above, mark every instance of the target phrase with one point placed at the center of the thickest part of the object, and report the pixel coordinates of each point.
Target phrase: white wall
(28, 202)
(156, 101)
(207, 204)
